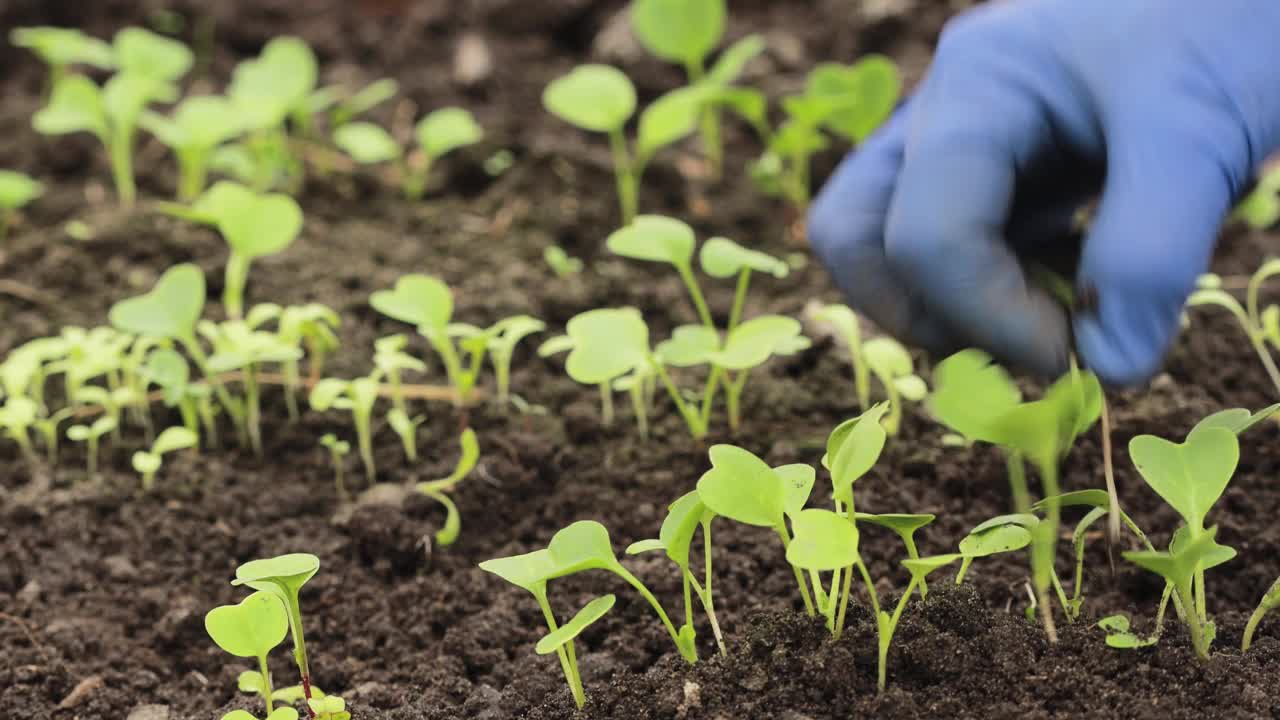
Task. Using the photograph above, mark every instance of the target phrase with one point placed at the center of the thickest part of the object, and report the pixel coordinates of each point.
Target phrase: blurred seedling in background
(357, 396)
(883, 357)
(849, 101)
(1261, 208)
(48, 428)
(560, 262)
(600, 98)
(504, 336)
(251, 629)
(329, 707)
(147, 462)
(685, 32)
(169, 370)
(147, 67)
(1270, 601)
(267, 91)
(437, 134)
(390, 358)
(338, 450)
(312, 327)
(16, 191)
(343, 109)
(91, 435)
(283, 577)
(198, 126)
(438, 489)
(978, 400)
(60, 48)
(17, 416)
(238, 346)
(1260, 324)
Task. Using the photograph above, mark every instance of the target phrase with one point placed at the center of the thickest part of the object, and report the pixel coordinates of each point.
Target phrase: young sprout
(439, 133)
(358, 396)
(284, 576)
(251, 629)
(254, 226)
(60, 48)
(198, 126)
(600, 98)
(91, 435)
(427, 303)
(310, 326)
(406, 428)
(275, 86)
(979, 401)
(437, 489)
(1260, 325)
(557, 640)
(329, 707)
(47, 427)
(890, 362)
(147, 462)
(1261, 209)
(17, 415)
(16, 190)
(237, 346)
(560, 262)
(338, 450)
(505, 335)
(685, 32)
(1270, 601)
(390, 358)
(367, 143)
(169, 370)
(1181, 567)
(344, 110)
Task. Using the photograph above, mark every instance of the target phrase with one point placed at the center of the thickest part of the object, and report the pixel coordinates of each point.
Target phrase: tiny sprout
(436, 489)
(237, 346)
(284, 576)
(251, 629)
(600, 98)
(366, 143)
(147, 462)
(504, 336)
(359, 103)
(253, 226)
(48, 429)
(560, 262)
(338, 449)
(1001, 534)
(311, 326)
(1260, 325)
(276, 85)
(169, 370)
(427, 303)
(16, 417)
(1270, 601)
(407, 429)
(1183, 567)
(439, 133)
(590, 613)
(60, 48)
(329, 707)
(358, 396)
(391, 359)
(891, 364)
(16, 190)
(198, 126)
(91, 434)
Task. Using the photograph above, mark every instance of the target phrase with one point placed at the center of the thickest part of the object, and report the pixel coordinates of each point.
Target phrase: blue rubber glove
(1031, 108)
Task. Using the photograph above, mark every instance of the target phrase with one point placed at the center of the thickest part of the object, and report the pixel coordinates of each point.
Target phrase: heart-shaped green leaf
(267, 225)
(607, 344)
(170, 310)
(584, 545)
(797, 480)
(200, 122)
(655, 238)
(679, 31)
(823, 541)
(419, 300)
(970, 394)
(366, 143)
(722, 258)
(598, 98)
(1192, 475)
(447, 129)
(860, 448)
(251, 628)
(283, 575)
(688, 346)
(139, 50)
(590, 613)
(743, 488)
(755, 341)
(866, 92)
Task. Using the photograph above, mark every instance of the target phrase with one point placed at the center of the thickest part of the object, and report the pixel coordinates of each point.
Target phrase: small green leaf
(643, 546)
(584, 545)
(860, 448)
(17, 189)
(998, 535)
(1192, 475)
(529, 571)
(419, 300)
(903, 524)
(754, 341)
(564, 634)
(1237, 420)
(267, 225)
(749, 104)
(466, 463)
(250, 681)
(282, 576)
(867, 92)
(366, 143)
(447, 129)
(797, 480)
(607, 344)
(1089, 498)
(911, 387)
(921, 567)
(75, 105)
(555, 346)
(688, 346)
(887, 357)
(732, 61)
(743, 488)
(598, 98)
(174, 438)
(64, 46)
(724, 258)
(669, 119)
(1178, 567)
(679, 527)
(959, 379)
(170, 310)
(145, 463)
(655, 238)
(251, 628)
(679, 31)
(823, 541)
(328, 705)
(139, 50)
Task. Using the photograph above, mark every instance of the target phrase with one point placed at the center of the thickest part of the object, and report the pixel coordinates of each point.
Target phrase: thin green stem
(93, 455)
(733, 399)
(299, 639)
(739, 298)
(634, 582)
(364, 437)
(708, 606)
(625, 173)
(266, 682)
(1193, 622)
(120, 148)
(871, 588)
(253, 408)
(696, 428)
(568, 663)
(1252, 627)
(1062, 597)
(606, 404)
(236, 277)
(439, 340)
(1260, 347)
(338, 480)
(885, 638)
(709, 394)
(845, 590)
(804, 588)
(638, 408)
(695, 293)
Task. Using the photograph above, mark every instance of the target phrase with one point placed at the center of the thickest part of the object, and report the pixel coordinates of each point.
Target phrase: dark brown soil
(102, 592)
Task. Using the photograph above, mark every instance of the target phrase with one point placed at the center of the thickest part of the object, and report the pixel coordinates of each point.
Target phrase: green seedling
(505, 335)
(1040, 432)
(17, 415)
(905, 526)
(848, 329)
(390, 358)
(358, 396)
(848, 101)
(254, 226)
(138, 50)
(111, 113)
(1001, 534)
(237, 346)
(338, 450)
(560, 262)
(309, 326)
(891, 364)
(91, 435)
(591, 612)
(887, 625)
(170, 371)
(437, 489)
(112, 402)
(438, 134)
(47, 427)
(406, 428)
(1261, 325)
(684, 516)
(1183, 567)
(367, 143)
(685, 32)
(330, 707)
(284, 576)
(198, 126)
(147, 462)
(1270, 601)
(344, 110)
(427, 303)
(600, 98)
(250, 681)
(268, 90)
(251, 629)
(16, 190)
(61, 48)
(1261, 209)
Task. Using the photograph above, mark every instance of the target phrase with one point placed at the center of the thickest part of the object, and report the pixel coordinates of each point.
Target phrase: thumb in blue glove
(1032, 107)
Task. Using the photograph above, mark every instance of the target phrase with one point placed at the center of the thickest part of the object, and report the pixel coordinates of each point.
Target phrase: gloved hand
(1030, 108)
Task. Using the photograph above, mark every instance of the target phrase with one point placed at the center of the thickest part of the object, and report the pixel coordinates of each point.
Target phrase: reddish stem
(306, 691)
